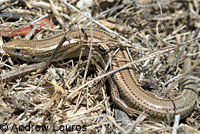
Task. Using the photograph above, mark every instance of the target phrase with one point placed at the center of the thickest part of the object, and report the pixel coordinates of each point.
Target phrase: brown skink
(125, 90)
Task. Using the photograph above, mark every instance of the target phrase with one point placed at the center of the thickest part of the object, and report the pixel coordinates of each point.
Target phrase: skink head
(19, 49)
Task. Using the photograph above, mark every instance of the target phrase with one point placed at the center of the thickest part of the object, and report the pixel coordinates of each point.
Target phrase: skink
(126, 92)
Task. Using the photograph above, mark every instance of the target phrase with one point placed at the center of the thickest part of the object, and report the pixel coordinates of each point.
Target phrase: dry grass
(73, 92)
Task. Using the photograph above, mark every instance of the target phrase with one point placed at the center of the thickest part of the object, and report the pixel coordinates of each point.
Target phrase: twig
(54, 53)
(21, 71)
(123, 67)
(99, 24)
(56, 13)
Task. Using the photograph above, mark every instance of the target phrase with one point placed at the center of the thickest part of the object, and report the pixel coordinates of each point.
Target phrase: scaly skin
(125, 90)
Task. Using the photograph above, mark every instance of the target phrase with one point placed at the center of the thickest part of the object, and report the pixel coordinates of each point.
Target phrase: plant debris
(72, 95)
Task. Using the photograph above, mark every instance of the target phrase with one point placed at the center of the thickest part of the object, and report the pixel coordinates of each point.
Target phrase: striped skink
(126, 92)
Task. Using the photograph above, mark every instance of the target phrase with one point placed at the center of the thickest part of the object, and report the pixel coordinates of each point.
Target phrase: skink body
(125, 90)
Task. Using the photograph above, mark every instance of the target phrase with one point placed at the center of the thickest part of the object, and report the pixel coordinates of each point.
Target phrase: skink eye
(17, 50)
